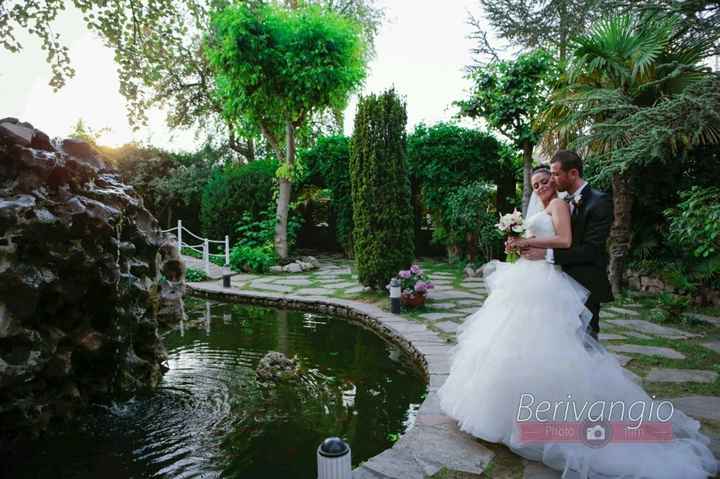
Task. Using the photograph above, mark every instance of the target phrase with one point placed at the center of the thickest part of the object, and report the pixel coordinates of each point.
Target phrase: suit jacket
(586, 260)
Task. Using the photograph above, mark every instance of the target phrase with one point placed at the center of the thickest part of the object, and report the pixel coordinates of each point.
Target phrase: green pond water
(212, 418)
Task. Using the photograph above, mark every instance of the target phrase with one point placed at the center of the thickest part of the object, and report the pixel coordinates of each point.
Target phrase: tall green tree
(533, 24)
(636, 93)
(509, 96)
(276, 67)
(382, 213)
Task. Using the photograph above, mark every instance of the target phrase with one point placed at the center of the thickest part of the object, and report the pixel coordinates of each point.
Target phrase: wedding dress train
(528, 343)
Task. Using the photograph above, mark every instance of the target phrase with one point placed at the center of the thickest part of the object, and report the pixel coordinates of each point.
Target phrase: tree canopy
(276, 67)
(509, 96)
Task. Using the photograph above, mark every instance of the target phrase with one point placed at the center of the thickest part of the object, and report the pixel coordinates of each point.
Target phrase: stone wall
(78, 274)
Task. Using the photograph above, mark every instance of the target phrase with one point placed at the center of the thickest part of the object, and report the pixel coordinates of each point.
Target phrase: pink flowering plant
(414, 281)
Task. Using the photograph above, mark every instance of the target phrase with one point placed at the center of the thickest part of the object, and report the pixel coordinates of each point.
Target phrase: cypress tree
(382, 211)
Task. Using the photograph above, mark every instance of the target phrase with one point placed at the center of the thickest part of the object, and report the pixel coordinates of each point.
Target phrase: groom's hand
(533, 254)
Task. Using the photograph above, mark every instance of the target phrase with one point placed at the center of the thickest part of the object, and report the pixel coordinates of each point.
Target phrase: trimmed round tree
(382, 212)
(275, 68)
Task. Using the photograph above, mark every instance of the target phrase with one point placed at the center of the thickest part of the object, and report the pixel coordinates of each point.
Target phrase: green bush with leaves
(469, 222)
(260, 231)
(252, 259)
(382, 212)
(194, 275)
(254, 250)
(695, 223)
(235, 191)
(328, 166)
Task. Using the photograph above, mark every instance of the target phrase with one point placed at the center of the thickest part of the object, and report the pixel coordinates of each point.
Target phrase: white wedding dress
(529, 338)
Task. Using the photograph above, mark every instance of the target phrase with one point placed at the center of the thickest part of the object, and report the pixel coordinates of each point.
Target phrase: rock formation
(78, 266)
(275, 367)
(171, 309)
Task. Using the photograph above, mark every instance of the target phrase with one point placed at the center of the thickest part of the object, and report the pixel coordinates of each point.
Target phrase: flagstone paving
(652, 328)
(646, 350)
(665, 363)
(681, 376)
(713, 345)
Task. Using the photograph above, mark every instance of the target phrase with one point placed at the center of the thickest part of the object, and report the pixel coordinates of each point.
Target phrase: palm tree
(620, 102)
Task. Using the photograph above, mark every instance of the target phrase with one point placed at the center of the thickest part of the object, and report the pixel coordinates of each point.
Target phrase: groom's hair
(568, 160)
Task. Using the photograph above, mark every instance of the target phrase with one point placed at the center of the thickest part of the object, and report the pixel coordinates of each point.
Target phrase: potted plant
(414, 286)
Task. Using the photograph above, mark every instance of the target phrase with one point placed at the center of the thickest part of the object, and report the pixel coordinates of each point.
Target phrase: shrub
(260, 231)
(193, 275)
(234, 191)
(252, 259)
(382, 212)
(328, 166)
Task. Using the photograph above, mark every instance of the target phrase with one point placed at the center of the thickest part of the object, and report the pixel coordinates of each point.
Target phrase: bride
(524, 361)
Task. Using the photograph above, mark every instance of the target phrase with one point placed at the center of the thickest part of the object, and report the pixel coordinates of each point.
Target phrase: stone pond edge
(427, 349)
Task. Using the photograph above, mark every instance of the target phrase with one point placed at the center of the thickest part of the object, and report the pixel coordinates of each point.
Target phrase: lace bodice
(540, 225)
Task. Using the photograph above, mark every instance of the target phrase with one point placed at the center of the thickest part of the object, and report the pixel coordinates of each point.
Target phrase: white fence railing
(205, 245)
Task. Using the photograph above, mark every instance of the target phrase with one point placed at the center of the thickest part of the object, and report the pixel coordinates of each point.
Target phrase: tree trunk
(283, 204)
(471, 247)
(527, 173)
(621, 231)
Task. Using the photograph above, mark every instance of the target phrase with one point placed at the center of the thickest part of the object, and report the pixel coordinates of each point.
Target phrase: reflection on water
(211, 418)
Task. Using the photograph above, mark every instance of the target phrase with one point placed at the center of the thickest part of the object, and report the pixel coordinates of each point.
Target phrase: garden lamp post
(395, 296)
(334, 459)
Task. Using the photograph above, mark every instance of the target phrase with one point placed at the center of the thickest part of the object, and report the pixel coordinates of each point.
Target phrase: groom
(591, 213)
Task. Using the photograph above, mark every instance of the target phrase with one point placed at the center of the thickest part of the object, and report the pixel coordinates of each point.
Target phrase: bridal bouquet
(512, 225)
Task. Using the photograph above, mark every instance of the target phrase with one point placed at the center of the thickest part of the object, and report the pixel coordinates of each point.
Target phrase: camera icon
(595, 433)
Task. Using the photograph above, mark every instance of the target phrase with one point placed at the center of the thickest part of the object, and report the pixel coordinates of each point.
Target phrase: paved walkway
(216, 272)
(681, 363)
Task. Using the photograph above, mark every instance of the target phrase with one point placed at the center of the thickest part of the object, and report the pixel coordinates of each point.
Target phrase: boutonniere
(577, 200)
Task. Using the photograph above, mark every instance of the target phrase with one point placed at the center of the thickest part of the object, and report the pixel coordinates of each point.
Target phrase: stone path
(434, 442)
(216, 272)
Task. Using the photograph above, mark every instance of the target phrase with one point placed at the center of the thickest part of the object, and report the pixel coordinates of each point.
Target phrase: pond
(212, 418)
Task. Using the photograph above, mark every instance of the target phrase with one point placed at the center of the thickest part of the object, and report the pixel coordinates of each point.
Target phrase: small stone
(610, 337)
(699, 407)
(652, 328)
(293, 281)
(623, 311)
(447, 326)
(17, 134)
(355, 290)
(440, 305)
(454, 294)
(635, 334)
(41, 141)
(713, 345)
(622, 359)
(535, 470)
(632, 376)
(661, 375)
(276, 269)
(715, 321)
(270, 287)
(646, 350)
(438, 316)
(314, 291)
(292, 268)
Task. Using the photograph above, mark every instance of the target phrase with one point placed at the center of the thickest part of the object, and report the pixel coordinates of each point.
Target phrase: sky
(421, 50)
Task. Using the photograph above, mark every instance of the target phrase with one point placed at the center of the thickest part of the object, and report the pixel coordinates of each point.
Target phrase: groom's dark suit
(586, 259)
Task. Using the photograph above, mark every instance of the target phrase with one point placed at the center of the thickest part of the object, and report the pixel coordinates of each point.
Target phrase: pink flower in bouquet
(405, 274)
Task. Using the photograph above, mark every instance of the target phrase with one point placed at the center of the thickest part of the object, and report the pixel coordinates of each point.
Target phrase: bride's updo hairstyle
(541, 169)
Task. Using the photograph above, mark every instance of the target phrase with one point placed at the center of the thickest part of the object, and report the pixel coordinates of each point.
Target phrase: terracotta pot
(413, 301)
